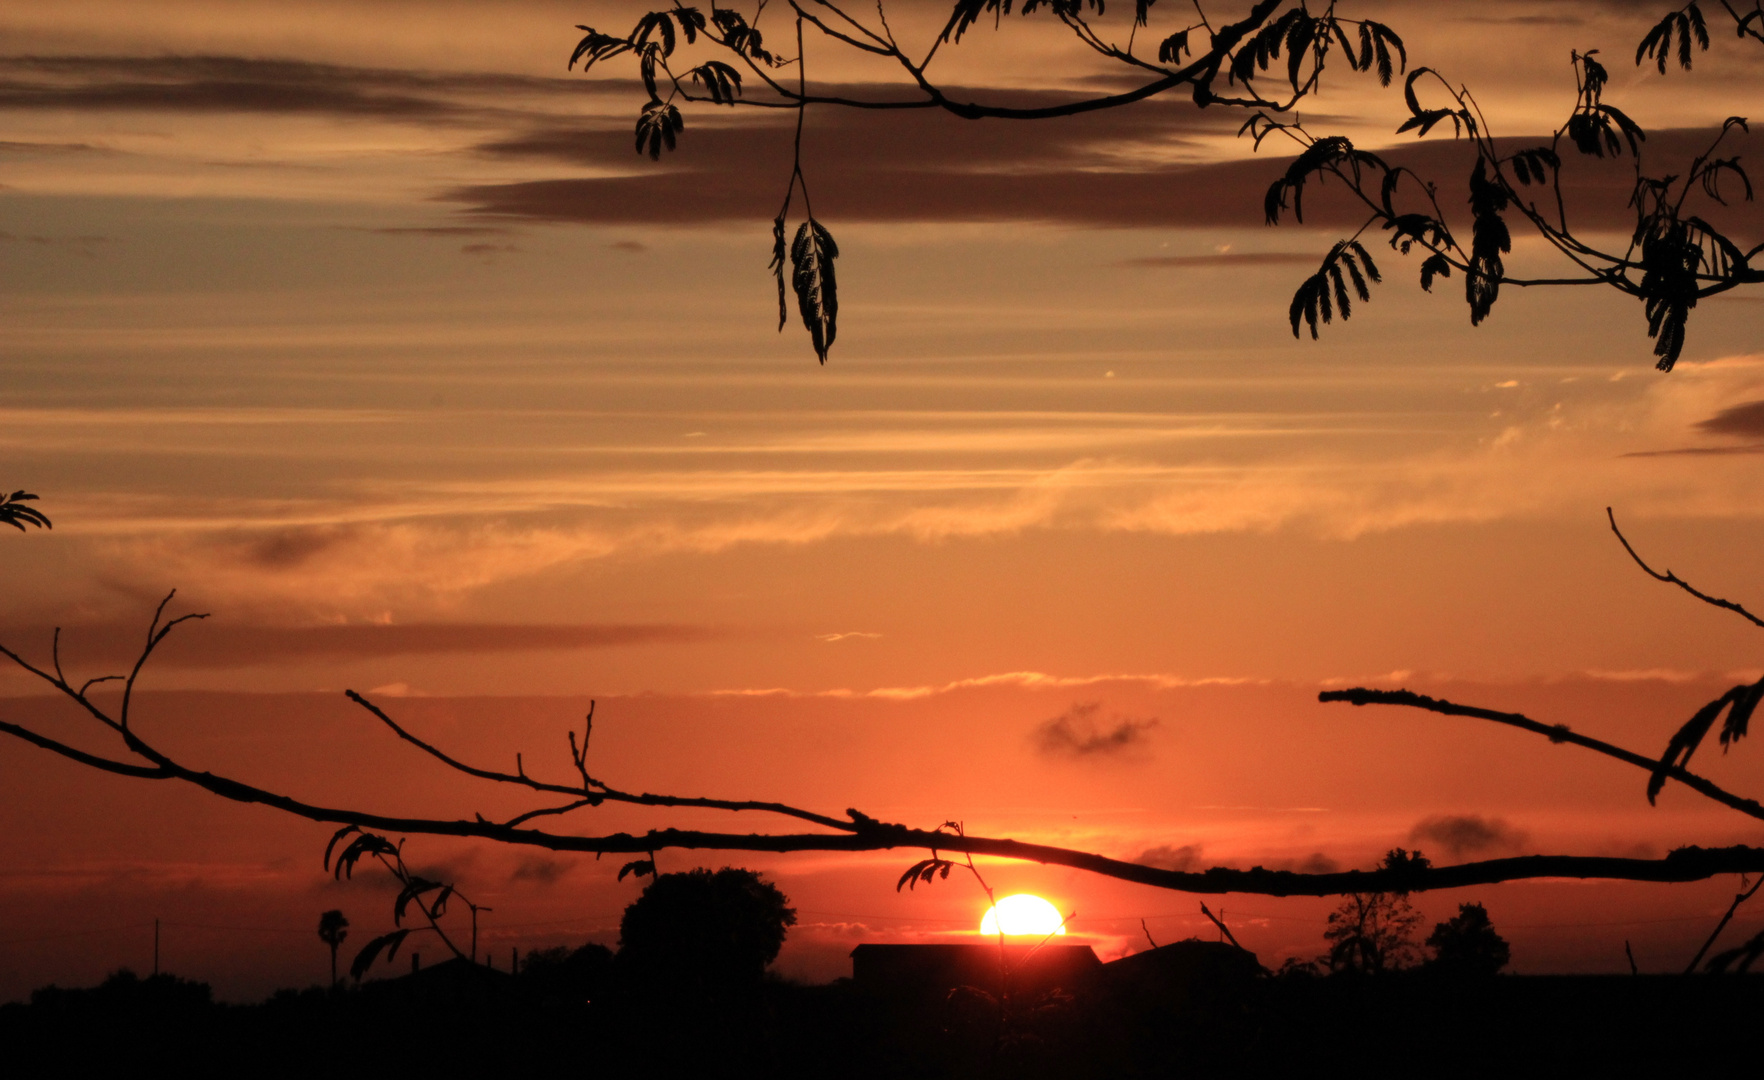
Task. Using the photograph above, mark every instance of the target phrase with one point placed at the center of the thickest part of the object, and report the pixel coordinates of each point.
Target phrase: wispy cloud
(1030, 680)
(1224, 259)
(221, 644)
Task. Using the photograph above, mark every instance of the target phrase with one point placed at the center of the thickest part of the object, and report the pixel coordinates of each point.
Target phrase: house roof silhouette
(989, 967)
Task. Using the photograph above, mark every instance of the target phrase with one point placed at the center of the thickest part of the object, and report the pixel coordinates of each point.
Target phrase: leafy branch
(1673, 259)
(1271, 59)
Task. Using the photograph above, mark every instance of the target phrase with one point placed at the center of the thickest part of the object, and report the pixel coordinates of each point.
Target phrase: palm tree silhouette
(332, 929)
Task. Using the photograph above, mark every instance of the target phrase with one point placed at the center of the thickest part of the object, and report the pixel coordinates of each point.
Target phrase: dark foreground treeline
(454, 1019)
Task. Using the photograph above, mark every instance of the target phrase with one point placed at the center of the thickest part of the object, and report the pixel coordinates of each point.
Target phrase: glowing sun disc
(1023, 914)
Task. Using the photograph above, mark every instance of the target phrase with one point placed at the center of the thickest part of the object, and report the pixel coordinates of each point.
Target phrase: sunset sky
(362, 326)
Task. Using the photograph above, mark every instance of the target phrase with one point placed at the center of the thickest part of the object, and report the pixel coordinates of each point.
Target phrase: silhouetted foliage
(429, 897)
(1268, 61)
(1467, 945)
(15, 513)
(704, 930)
(1237, 65)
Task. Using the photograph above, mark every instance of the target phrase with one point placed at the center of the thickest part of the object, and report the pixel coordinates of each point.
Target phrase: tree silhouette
(1265, 63)
(332, 929)
(1373, 933)
(703, 930)
(1467, 945)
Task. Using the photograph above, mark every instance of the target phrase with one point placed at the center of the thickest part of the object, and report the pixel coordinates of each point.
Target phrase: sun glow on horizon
(1023, 914)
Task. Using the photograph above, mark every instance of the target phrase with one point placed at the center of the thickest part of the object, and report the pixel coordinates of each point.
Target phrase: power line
(75, 933)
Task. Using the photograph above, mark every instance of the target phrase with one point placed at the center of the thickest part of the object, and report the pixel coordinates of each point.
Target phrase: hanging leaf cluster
(1739, 703)
(1535, 166)
(968, 12)
(654, 30)
(370, 952)
(1407, 230)
(15, 513)
(1299, 34)
(1172, 48)
(653, 40)
(741, 38)
(1489, 240)
(364, 844)
(924, 871)
(1594, 127)
(1325, 293)
(416, 887)
(1682, 257)
(1333, 154)
(719, 79)
(817, 292)
(658, 125)
(1682, 24)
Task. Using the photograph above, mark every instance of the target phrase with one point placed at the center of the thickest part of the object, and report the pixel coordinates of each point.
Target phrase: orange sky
(363, 328)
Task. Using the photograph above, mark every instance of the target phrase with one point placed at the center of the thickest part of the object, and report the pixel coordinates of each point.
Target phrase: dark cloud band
(220, 646)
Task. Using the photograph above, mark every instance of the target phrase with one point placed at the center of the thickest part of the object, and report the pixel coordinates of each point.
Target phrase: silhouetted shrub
(1467, 944)
(704, 930)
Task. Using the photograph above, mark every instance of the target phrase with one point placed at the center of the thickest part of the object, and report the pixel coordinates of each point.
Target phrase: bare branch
(1559, 733)
(1673, 579)
(860, 832)
(598, 791)
(121, 768)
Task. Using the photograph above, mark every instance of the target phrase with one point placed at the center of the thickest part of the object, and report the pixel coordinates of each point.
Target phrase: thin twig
(1741, 897)
(1673, 579)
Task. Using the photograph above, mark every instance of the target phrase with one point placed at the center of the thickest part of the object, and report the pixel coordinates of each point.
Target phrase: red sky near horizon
(363, 327)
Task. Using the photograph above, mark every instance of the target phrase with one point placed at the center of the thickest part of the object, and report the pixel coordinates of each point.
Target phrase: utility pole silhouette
(155, 946)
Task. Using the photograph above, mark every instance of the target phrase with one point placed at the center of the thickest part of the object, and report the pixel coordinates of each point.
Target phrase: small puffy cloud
(1467, 834)
(540, 871)
(1077, 733)
(1314, 863)
(1180, 858)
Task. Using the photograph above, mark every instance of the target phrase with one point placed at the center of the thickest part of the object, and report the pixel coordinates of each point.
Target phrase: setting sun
(1023, 914)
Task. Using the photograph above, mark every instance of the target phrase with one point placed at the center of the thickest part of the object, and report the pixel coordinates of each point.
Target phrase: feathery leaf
(817, 293)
